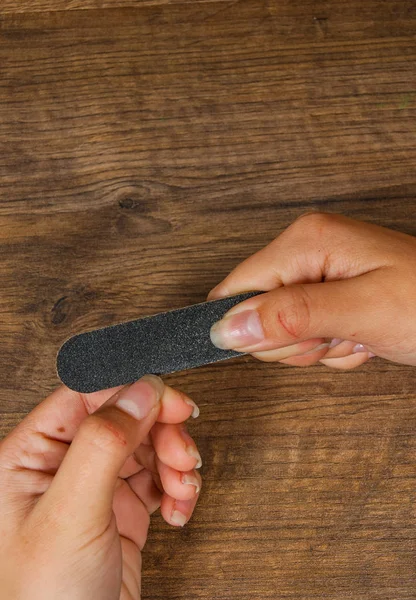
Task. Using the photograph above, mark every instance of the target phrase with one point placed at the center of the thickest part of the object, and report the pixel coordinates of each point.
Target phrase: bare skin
(338, 291)
(82, 473)
(80, 477)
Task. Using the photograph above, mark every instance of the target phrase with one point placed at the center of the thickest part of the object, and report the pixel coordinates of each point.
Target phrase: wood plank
(144, 152)
(30, 6)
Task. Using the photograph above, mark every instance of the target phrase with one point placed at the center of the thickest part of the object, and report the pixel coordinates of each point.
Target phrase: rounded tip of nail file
(160, 344)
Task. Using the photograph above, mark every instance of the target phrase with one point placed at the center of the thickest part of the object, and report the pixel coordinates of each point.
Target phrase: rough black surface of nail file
(160, 344)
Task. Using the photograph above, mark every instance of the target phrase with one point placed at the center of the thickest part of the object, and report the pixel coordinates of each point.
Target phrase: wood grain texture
(12, 6)
(145, 150)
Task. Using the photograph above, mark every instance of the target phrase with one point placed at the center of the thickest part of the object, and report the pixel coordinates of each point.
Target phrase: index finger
(313, 249)
(59, 416)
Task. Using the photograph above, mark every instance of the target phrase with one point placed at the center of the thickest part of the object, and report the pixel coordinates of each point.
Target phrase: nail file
(160, 344)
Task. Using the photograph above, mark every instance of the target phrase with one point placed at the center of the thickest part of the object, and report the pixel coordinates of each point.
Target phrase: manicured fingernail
(192, 451)
(359, 348)
(141, 396)
(177, 518)
(188, 479)
(320, 347)
(241, 329)
(335, 342)
(371, 355)
(195, 411)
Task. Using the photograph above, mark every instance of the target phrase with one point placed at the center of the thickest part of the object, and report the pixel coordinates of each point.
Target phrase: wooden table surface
(146, 148)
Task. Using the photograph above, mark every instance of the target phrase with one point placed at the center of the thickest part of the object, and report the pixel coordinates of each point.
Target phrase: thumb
(82, 490)
(337, 309)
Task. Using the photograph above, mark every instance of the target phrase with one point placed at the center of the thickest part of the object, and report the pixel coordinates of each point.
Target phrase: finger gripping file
(160, 344)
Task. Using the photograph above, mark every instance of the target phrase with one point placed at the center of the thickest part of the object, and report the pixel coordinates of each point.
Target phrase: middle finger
(175, 447)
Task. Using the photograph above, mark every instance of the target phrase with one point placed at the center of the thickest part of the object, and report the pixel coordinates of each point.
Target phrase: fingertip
(192, 479)
(347, 362)
(176, 407)
(303, 361)
(295, 350)
(175, 447)
(181, 485)
(195, 408)
(219, 291)
(341, 350)
(177, 512)
(156, 382)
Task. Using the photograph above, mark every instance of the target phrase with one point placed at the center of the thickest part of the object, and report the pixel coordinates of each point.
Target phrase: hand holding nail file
(159, 344)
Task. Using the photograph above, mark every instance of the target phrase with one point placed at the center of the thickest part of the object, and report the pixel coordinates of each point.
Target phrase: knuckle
(315, 221)
(100, 431)
(291, 316)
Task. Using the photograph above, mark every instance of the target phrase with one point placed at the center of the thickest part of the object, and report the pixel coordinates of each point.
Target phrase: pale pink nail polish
(241, 329)
(335, 342)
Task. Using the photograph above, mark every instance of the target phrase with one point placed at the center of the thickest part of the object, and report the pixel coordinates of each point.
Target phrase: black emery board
(159, 344)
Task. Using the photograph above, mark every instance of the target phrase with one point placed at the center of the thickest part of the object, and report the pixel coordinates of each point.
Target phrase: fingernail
(195, 411)
(181, 508)
(190, 446)
(177, 518)
(335, 342)
(217, 292)
(188, 479)
(320, 347)
(359, 348)
(371, 355)
(141, 396)
(192, 451)
(241, 329)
